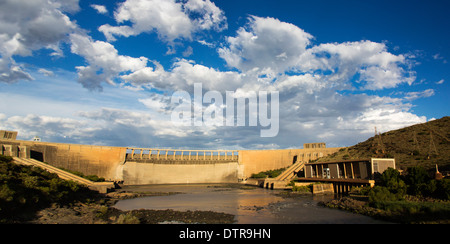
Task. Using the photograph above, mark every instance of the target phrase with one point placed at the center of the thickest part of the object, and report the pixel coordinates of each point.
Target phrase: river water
(250, 205)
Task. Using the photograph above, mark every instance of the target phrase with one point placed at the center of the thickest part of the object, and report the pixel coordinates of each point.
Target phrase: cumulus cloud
(377, 68)
(104, 61)
(170, 19)
(183, 75)
(267, 44)
(272, 47)
(27, 26)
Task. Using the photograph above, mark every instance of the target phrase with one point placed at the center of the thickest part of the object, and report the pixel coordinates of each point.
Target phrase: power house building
(349, 169)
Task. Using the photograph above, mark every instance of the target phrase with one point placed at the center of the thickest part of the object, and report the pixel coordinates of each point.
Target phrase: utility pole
(432, 146)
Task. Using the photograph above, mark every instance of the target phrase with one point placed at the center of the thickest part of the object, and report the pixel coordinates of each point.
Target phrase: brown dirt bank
(102, 212)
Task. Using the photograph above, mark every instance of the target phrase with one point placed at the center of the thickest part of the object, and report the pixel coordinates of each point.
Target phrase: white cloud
(188, 52)
(440, 82)
(378, 69)
(438, 56)
(27, 26)
(308, 83)
(270, 47)
(416, 95)
(267, 44)
(205, 43)
(118, 116)
(183, 75)
(211, 17)
(159, 103)
(46, 72)
(386, 119)
(346, 120)
(101, 9)
(377, 78)
(45, 126)
(104, 61)
(169, 18)
(301, 83)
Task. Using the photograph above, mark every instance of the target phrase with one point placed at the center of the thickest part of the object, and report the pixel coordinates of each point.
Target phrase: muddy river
(249, 205)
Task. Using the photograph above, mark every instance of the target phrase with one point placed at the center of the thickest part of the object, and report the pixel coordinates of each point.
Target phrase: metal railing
(171, 154)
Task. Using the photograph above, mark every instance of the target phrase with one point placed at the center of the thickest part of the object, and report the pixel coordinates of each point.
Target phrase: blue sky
(103, 72)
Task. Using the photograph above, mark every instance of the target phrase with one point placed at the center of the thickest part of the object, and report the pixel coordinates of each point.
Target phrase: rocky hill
(425, 144)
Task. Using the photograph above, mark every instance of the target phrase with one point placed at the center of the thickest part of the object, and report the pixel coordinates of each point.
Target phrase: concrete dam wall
(89, 160)
(168, 166)
(135, 166)
(135, 173)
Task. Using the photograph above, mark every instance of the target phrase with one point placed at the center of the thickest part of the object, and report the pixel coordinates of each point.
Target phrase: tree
(417, 180)
(392, 181)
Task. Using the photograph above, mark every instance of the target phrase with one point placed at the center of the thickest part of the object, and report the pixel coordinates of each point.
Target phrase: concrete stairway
(283, 179)
(288, 174)
(101, 187)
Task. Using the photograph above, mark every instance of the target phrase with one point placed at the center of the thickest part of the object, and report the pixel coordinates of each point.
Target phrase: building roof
(347, 161)
(341, 161)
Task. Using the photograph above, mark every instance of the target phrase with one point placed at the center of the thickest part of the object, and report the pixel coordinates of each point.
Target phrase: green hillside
(423, 145)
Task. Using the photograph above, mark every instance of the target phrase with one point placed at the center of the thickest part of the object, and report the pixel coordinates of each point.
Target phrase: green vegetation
(93, 178)
(268, 173)
(301, 189)
(415, 183)
(26, 189)
(411, 198)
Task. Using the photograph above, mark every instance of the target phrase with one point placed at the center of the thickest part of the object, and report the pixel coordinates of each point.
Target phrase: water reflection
(250, 206)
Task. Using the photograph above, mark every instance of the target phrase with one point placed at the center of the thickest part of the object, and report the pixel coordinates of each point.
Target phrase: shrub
(307, 188)
(93, 178)
(24, 189)
(268, 173)
(392, 181)
(5, 159)
(417, 180)
(259, 175)
(127, 218)
(439, 189)
(380, 194)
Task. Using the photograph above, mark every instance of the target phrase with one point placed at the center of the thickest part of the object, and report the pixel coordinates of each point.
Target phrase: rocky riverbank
(410, 211)
(102, 212)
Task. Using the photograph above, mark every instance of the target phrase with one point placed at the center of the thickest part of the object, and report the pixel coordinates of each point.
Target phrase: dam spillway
(167, 166)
